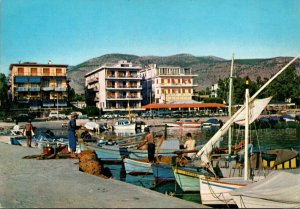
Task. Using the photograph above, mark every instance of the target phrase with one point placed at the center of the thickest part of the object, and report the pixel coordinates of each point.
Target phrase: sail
(256, 107)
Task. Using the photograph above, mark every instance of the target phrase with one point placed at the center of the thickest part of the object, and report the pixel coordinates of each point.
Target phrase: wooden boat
(188, 177)
(280, 189)
(137, 167)
(212, 122)
(113, 153)
(216, 190)
(163, 171)
(184, 124)
(124, 125)
(167, 148)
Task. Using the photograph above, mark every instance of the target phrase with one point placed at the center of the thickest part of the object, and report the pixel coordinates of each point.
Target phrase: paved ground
(31, 183)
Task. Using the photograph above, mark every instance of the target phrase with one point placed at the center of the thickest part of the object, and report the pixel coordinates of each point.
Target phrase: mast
(246, 131)
(230, 105)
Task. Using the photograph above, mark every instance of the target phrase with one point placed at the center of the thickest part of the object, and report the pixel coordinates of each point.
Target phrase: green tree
(285, 86)
(4, 104)
(92, 111)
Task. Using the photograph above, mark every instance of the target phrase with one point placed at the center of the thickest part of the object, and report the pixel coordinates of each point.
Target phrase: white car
(56, 115)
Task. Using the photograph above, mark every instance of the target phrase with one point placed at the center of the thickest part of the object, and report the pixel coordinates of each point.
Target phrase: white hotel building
(116, 87)
(167, 84)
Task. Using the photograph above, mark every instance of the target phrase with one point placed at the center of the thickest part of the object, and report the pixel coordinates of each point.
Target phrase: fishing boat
(163, 171)
(217, 190)
(168, 147)
(188, 177)
(212, 122)
(184, 124)
(280, 189)
(107, 153)
(124, 125)
(137, 167)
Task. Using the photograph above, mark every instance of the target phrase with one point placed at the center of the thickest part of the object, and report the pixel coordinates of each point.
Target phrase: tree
(285, 86)
(4, 103)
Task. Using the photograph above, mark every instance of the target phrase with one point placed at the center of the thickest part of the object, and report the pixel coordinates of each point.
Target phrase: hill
(208, 68)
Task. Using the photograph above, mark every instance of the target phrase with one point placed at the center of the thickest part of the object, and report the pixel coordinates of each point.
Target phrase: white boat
(137, 167)
(124, 125)
(280, 189)
(184, 124)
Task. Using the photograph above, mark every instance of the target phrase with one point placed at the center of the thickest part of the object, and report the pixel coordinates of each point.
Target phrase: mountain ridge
(208, 68)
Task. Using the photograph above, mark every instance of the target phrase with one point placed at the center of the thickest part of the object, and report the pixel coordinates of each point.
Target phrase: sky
(73, 31)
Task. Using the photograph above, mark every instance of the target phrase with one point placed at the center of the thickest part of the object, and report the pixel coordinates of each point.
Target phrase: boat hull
(107, 153)
(137, 167)
(213, 192)
(163, 171)
(187, 180)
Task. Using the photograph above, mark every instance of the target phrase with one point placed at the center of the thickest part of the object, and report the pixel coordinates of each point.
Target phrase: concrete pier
(31, 183)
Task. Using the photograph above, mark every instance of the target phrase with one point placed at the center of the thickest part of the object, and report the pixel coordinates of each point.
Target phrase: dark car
(22, 117)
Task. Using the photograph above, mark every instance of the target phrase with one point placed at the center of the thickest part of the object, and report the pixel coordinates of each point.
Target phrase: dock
(32, 183)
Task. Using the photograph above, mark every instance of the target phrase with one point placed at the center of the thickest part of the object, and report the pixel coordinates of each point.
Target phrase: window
(162, 80)
(58, 71)
(33, 71)
(46, 71)
(58, 83)
(20, 71)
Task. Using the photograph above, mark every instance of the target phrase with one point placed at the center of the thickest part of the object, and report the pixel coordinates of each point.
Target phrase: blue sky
(73, 31)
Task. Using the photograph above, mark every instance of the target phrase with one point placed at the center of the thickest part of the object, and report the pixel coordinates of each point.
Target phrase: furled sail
(256, 107)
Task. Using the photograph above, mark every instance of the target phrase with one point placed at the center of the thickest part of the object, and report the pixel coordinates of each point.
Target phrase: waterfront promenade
(31, 183)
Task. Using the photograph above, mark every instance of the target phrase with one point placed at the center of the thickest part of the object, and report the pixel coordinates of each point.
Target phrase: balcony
(125, 87)
(61, 103)
(60, 89)
(48, 103)
(92, 80)
(48, 88)
(34, 89)
(122, 97)
(177, 85)
(21, 89)
(122, 77)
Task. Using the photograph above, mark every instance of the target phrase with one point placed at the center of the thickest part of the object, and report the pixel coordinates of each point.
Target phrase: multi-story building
(169, 84)
(116, 87)
(148, 79)
(38, 86)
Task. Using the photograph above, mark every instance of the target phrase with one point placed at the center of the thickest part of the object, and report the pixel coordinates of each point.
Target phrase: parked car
(56, 115)
(22, 117)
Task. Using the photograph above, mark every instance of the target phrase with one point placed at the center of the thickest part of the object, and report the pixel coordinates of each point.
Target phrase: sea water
(262, 138)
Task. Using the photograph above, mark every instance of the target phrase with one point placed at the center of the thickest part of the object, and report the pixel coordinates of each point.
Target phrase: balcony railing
(124, 97)
(34, 89)
(123, 86)
(48, 103)
(92, 80)
(48, 88)
(123, 77)
(61, 103)
(20, 89)
(60, 89)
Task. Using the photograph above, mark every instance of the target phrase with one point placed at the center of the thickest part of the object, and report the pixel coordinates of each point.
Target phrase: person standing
(16, 129)
(28, 129)
(72, 134)
(190, 145)
(150, 145)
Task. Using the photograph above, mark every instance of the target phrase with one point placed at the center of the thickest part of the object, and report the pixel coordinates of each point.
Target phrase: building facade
(115, 87)
(38, 86)
(168, 84)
